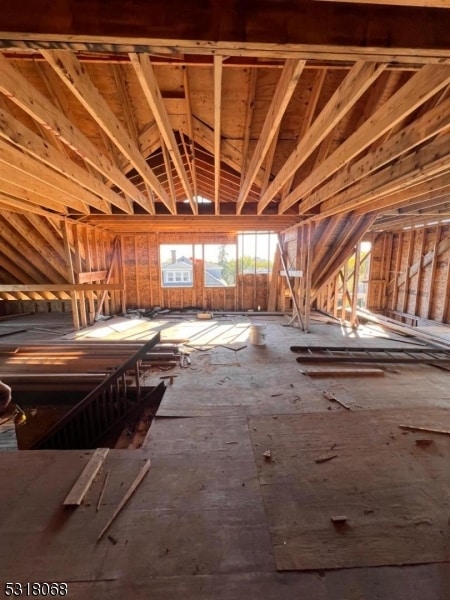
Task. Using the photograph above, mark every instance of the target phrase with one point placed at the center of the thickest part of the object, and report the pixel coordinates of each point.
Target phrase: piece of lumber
(85, 479)
(336, 372)
(322, 459)
(91, 276)
(427, 429)
(102, 491)
(338, 519)
(332, 397)
(133, 487)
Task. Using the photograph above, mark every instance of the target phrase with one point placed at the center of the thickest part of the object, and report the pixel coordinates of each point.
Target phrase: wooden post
(108, 278)
(88, 258)
(73, 295)
(272, 303)
(104, 255)
(353, 317)
(79, 269)
(122, 275)
(447, 295)
(308, 272)
(398, 264)
(296, 310)
(433, 272)
(387, 268)
(344, 292)
(336, 294)
(412, 239)
(419, 274)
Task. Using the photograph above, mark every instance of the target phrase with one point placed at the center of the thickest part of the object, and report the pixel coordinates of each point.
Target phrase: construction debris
(102, 491)
(322, 459)
(133, 487)
(339, 519)
(85, 479)
(330, 396)
(427, 429)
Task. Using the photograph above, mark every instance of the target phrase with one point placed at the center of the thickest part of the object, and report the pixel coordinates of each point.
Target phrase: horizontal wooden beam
(61, 287)
(201, 223)
(90, 276)
(279, 27)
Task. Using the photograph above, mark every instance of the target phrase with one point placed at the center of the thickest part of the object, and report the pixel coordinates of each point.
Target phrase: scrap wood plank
(427, 429)
(337, 372)
(133, 487)
(84, 481)
(332, 397)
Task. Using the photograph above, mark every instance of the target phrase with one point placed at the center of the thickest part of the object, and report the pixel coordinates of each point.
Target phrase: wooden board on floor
(391, 490)
(342, 372)
(86, 477)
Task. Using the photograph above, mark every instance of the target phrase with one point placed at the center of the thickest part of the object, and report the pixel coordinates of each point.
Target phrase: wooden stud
(419, 274)
(218, 67)
(431, 286)
(356, 271)
(411, 241)
(99, 275)
(78, 269)
(73, 294)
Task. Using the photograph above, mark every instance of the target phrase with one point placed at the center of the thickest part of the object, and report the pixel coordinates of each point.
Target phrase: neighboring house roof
(210, 280)
(181, 264)
(185, 264)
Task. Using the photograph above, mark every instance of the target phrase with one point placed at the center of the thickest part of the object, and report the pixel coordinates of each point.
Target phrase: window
(219, 265)
(256, 253)
(177, 265)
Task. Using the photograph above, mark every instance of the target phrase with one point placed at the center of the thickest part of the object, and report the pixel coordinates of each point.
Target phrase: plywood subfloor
(198, 526)
(392, 491)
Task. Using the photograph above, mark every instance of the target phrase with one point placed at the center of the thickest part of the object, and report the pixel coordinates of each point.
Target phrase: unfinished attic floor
(215, 518)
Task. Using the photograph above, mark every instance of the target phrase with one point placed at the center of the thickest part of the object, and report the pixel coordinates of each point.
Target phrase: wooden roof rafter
(422, 86)
(357, 81)
(283, 93)
(145, 73)
(74, 75)
(16, 87)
